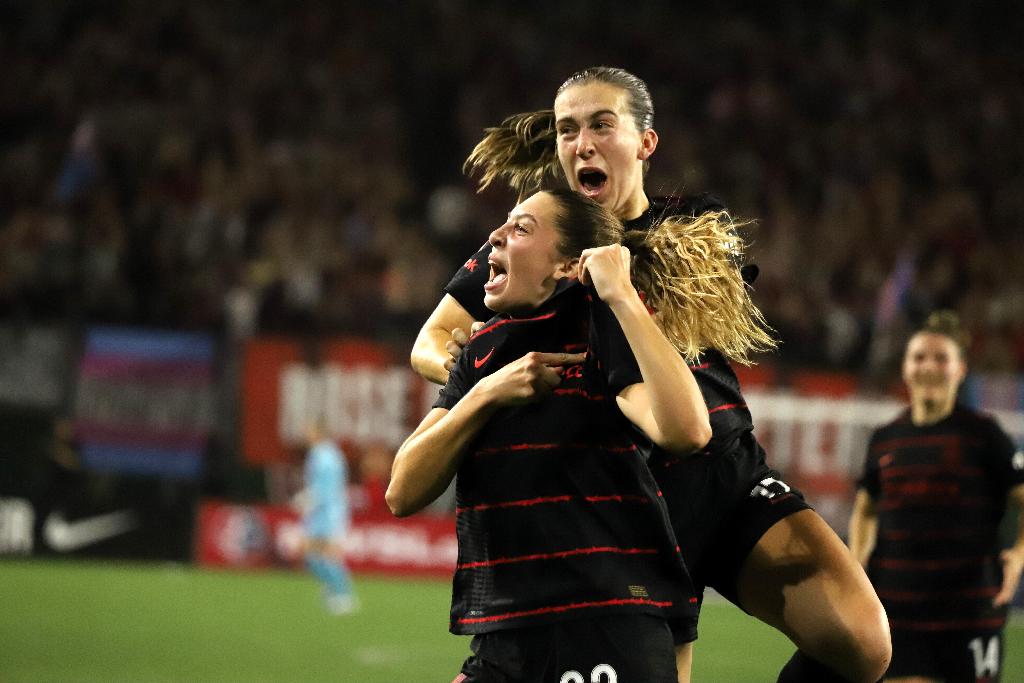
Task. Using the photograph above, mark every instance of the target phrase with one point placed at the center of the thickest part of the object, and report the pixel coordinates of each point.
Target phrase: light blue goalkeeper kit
(327, 515)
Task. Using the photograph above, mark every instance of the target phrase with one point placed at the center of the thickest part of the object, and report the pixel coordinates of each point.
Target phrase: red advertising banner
(363, 395)
(266, 536)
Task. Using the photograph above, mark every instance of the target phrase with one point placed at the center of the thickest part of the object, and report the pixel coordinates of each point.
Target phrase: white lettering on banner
(392, 544)
(16, 521)
(360, 403)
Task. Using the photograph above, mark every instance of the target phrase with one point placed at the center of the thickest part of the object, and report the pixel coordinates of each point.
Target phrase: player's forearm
(428, 460)
(429, 352)
(429, 356)
(677, 405)
(1015, 499)
(863, 529)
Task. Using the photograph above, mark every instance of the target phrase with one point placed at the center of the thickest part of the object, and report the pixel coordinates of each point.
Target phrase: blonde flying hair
(686, 269)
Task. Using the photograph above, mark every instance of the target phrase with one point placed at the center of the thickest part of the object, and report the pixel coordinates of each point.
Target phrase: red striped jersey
(940, 492)
(557, 514)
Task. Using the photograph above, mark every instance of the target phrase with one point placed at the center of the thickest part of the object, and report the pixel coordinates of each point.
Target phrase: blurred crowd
(259, 167)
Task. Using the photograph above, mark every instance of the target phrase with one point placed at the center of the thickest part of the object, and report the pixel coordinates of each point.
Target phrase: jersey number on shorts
(986, 659)
(602, 673)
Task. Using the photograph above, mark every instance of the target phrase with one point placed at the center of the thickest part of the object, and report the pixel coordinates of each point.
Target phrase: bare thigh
(802, 579)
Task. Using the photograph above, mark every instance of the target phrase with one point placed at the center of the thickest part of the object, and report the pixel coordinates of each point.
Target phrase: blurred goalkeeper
(326, 519)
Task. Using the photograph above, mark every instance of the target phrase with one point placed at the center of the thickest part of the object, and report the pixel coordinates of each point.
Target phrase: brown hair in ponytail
(947, 323)
(522, 151)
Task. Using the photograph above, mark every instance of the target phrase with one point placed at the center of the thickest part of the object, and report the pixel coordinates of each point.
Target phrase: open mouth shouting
(592, 181)
(498, 277)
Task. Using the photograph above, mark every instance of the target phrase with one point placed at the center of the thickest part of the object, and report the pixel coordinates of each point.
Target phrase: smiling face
(600, 149)
(933, 369)
(525, 263)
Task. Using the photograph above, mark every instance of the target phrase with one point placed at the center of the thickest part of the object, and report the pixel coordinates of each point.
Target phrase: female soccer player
(325, 518)
(742, 530)
(936, 483)
(568, 568)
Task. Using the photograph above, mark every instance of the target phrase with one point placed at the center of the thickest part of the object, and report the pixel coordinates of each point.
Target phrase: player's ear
(648, 143)
(567, 268)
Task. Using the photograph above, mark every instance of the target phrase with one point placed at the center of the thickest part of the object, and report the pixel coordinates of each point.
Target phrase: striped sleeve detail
(900, 443)
(530, 502)
(916, 471)
(932, 596)
(579, 392)
(973, 502)
(555, 609)
(511, 448)
(493, 326)
(947, 624)
(576, 552)
(944, 534)
(727, 406)
(932, 565)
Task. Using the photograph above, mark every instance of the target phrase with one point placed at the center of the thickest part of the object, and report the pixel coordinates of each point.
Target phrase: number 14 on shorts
(986, 659)
(602, 673)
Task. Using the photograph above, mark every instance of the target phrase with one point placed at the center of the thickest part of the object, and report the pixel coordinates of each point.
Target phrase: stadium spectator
(854, 135)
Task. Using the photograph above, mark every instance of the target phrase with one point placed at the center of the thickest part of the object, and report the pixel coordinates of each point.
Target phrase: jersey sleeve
(467, 285)
(1007, 458)
(612, 350)
(870, 479)
(459, 382)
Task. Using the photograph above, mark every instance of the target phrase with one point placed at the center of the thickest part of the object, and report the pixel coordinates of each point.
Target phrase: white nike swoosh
(65, 536)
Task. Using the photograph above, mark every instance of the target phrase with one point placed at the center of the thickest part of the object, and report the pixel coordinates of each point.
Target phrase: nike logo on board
(65, 536)
(478, 361)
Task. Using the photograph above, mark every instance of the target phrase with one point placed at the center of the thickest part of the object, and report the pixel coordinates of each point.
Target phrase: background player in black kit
(936, 483)
(567, 562)
(741, 529)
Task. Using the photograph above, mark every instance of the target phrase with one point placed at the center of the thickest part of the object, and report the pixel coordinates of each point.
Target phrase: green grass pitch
(74, 622)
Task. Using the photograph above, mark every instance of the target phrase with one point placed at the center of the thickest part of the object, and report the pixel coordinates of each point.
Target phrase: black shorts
(609, 649)
(721, 505)
(950, 656)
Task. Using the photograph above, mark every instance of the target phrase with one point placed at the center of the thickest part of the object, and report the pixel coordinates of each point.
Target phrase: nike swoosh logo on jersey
(65, 536)
(478, 361)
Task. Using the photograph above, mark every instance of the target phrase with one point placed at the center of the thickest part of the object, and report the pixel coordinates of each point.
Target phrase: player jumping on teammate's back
(599, 139)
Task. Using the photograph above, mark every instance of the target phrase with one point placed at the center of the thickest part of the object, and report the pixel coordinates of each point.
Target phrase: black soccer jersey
(467, 285)
(940, 492)
(727, 409)
(557, 514)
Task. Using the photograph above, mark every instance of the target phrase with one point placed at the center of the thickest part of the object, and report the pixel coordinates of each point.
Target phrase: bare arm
(440, 340)
(1013, 557)
(667, 405)
(426, 463)
(863, 527)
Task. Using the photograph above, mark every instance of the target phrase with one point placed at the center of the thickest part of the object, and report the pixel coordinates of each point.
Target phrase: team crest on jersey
(769, 488)
(886, 460)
